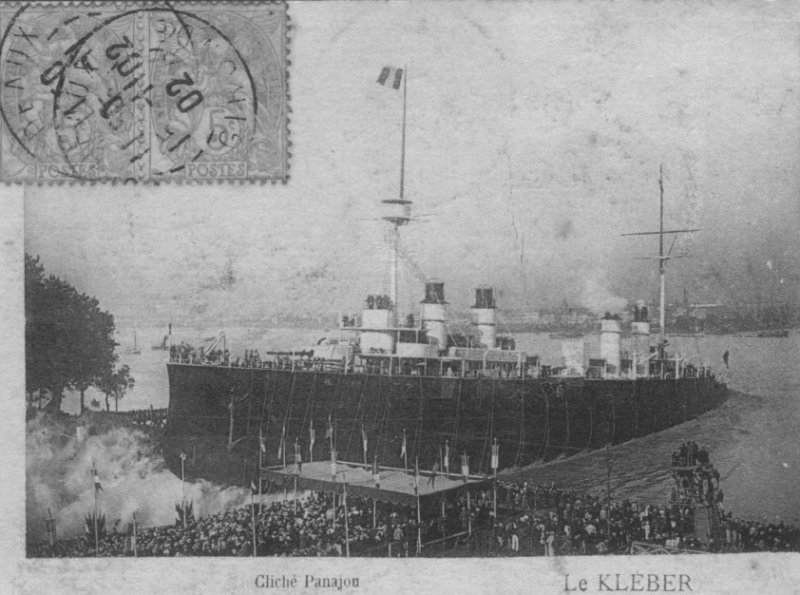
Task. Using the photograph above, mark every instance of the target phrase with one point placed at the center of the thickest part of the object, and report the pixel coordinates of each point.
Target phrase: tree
(116, 384)
(69, 340)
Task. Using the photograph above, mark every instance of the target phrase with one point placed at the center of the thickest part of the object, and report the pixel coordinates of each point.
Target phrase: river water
(754, 438)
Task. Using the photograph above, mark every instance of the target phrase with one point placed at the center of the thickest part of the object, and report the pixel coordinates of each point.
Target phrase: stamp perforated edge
(250, 180)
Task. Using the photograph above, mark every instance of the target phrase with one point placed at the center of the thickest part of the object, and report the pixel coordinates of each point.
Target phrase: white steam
(596, 296)
(133, 478)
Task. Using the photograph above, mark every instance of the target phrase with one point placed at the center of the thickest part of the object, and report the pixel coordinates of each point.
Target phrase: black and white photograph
(401, 296)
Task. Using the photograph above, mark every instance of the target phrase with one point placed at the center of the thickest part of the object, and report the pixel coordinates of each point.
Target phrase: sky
(535, 133)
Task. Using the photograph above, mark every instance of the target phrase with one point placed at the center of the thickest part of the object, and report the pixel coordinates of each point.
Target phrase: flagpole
(260, 464)
(495, 464)
(405, 450)
(419, 512)
(253, 516)
(51, 531)
(183, 491)
(466, 486)
(403, 142)
(346, 522)
(135, 553)
(94, 475)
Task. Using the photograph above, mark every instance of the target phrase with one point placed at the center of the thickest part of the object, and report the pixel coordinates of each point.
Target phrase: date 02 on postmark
(143, 91)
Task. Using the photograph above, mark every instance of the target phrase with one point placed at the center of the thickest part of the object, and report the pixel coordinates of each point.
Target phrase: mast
(662, 258)
(662, 263)
(401, 215)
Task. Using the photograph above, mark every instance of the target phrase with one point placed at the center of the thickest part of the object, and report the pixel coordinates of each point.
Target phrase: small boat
(165, 342)
(776, 333)
(135, 350)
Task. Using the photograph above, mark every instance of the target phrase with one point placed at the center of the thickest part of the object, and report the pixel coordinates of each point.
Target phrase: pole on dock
(346, 522)
(608, 491)
(183, 490)
(96, 484)
(51, 530)
(495, 465)
(135, 551)
(253, 517)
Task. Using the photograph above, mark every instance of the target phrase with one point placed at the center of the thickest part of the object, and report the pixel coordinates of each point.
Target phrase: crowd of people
(694, 473)
(186, 354)
(532, 520)
(308, 526)
(149, 418)
(554, 521)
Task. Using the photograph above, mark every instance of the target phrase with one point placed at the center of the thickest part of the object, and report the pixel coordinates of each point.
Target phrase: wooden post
(419, 527)
(253, 517)
(51, 531)
(96, 539)
(135, 552)
(346, 522)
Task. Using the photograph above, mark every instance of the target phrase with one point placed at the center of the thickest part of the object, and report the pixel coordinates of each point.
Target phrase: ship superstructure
(417, 385)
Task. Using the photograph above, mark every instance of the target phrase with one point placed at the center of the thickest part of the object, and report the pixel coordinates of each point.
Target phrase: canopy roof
(395, 485)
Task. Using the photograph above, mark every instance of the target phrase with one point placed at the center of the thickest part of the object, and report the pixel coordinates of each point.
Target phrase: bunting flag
(391, 74)
(376, 473)
(329, 430)
(282, 445)
(298, 456)
(312, 437)
(495, 455)
(403, 450)
(261, 442)
(97, 486)
(465, 466)
(364, 441)
(446, 460)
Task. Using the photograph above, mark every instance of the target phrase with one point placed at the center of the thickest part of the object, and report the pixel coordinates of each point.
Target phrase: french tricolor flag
(391, 74)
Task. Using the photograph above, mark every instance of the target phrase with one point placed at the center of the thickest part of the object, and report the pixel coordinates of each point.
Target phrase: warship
(393, 387)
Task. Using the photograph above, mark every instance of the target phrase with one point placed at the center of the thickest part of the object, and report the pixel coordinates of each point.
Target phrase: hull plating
(215, 414)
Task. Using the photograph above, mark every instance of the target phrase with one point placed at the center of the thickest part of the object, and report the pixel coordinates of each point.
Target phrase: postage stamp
(143, 92)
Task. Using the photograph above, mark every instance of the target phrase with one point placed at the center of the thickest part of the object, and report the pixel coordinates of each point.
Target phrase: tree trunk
(116, 403)
(83, 406)
(108, 405)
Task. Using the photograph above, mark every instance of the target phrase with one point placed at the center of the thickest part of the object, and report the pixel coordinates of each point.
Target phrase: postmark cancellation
(144, 92)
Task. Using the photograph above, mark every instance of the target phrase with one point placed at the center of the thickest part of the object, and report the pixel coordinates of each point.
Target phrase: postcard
(403, 297)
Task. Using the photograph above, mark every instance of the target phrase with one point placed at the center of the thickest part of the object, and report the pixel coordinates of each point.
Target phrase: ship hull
(217, 412)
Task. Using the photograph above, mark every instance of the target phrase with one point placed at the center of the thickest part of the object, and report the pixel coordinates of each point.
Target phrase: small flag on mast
(376, 473)
(446, 459)
(390, 73)
(97, 486)
(329, 431)
(262, 444)
(253, 487)
(282, 444)
(465, 466)
(495, 455)
(416, 476)
(298, 456)
(364, 441)
(403, 450)
(312, 437)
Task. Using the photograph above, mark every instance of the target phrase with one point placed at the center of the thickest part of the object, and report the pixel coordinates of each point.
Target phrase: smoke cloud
(596, 296)
(132, 474)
